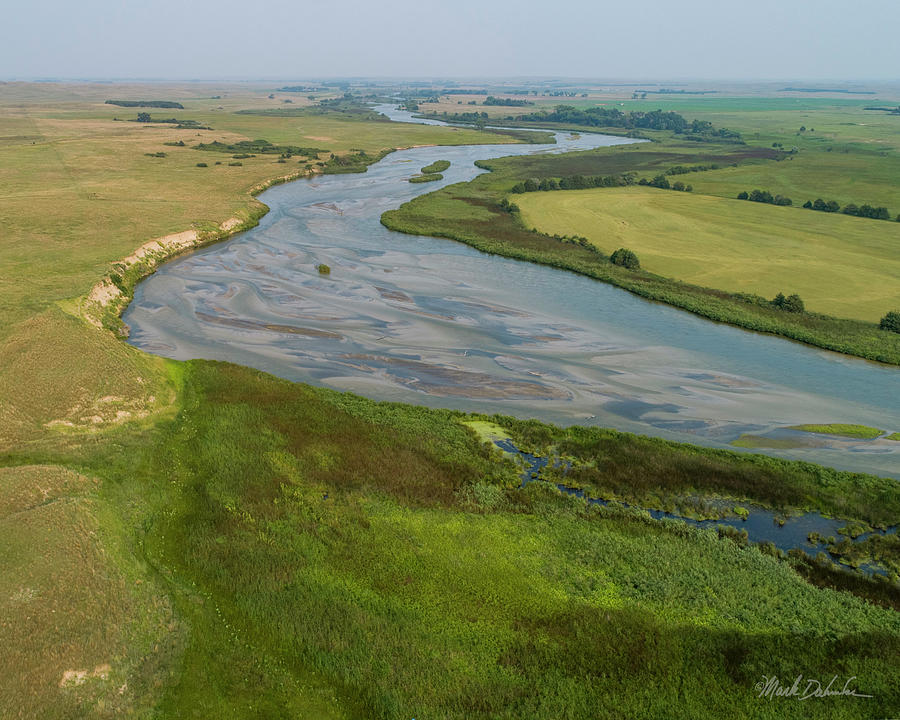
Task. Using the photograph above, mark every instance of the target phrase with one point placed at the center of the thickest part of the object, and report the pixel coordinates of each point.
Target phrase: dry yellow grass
(75, 625)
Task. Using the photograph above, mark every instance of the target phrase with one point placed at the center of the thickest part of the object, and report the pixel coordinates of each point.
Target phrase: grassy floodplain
(203, 540)
(842, 266)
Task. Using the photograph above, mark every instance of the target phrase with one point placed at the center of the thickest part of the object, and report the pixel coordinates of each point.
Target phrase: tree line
(662, 182)
(764, 196)
(572, 182)
(491, 100)
(638, 119)
(832, 206)
(146, 103)
(585, 182)
(866, 211)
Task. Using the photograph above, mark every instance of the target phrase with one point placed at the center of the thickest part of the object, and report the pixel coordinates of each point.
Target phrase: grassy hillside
(336, 557)
(841, 266)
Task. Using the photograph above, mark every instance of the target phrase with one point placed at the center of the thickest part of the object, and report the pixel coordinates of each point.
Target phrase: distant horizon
(209, 41)
(463, 80)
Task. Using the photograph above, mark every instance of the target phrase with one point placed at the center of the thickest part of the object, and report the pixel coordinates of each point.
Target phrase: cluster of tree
(866, 211)
(684, 169)
(349, 105)
(463, 91)
(703, 131)
(263, 147)
(300, 89)
(891, 322)
(890, 110)
(700, 130)
(626, 258)
(466, 117)
(509, 207)
(573, 182)
(146, 103)
(827, 90)
(791, 303)
(144, 117)
(662, 182)
(610, 117)
(491, 100)
(582, 242)
(355, 161)
(764, 196)
(670, 91)
(584, 182)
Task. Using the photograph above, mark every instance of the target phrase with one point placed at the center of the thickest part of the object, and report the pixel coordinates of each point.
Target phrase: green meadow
(201, 540)
(842, 266)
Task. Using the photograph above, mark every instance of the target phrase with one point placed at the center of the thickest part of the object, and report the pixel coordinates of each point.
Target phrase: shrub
(625, 258)
(323, 269)
(743, 195)
(891, 322)
(791, 303)
(202, 165)
(235, 164)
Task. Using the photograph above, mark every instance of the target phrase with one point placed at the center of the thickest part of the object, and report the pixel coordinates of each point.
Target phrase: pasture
(842, 266)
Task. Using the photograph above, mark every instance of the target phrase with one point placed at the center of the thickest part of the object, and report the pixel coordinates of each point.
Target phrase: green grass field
(841, 266)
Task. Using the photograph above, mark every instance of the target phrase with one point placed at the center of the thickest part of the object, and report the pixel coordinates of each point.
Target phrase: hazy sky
(671, 39)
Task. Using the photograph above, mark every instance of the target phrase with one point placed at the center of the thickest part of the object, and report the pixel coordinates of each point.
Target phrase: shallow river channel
(434, 322)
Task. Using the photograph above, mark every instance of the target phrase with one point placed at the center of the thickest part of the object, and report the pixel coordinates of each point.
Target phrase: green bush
(791, 303)
(891, 322)
(625, 258)
(202, 165)
(323, 269)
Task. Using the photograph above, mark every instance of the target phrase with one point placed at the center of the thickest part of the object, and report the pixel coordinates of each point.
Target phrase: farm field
(840, 265)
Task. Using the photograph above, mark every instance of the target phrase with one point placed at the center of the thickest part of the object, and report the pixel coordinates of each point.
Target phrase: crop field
(842, 266)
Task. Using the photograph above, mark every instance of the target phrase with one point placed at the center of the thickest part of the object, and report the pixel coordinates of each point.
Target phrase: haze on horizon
(203, 39)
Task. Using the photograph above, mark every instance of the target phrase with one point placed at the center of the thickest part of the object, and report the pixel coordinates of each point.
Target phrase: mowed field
(842, 266)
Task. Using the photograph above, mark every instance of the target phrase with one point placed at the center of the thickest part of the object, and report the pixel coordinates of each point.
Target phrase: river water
(434, 322)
